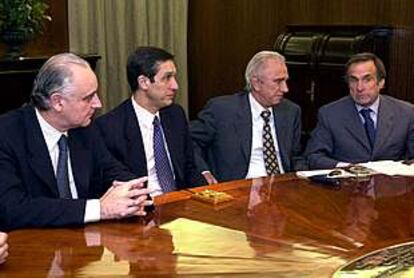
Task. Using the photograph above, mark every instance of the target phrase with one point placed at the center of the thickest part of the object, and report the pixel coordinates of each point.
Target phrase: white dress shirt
(52, 136)
(145, 121)
(257, 166)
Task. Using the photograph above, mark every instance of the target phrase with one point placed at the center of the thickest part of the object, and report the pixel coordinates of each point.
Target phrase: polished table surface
(274, 227)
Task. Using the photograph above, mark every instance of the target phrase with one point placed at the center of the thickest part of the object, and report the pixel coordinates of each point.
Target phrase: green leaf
(25, 15)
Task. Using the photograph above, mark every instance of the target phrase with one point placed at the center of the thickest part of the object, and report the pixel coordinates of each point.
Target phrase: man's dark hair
(145, 61)
(366, 57)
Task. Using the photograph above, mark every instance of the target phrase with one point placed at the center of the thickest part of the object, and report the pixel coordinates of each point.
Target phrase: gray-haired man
(54, 168)
(252, 133)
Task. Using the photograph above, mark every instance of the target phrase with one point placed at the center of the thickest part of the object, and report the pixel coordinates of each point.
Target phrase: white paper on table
(389, 167)
(307, 174)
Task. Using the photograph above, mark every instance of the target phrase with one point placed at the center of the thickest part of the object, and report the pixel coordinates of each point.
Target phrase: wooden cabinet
(16, 79)
(316, 58)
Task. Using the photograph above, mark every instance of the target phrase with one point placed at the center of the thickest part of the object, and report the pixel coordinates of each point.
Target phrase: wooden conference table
(274, 227)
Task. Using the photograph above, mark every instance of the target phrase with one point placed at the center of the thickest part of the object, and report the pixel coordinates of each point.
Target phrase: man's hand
(4, 247)
(209, 177)
(125, 199)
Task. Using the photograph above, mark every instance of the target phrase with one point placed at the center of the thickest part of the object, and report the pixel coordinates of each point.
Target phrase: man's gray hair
(55, 75)
(255, 64)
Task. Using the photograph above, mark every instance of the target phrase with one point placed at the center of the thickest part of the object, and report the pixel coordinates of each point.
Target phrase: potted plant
(20, 20)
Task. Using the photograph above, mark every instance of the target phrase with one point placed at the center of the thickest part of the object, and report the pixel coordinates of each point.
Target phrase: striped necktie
(162, 164)
(269, 151)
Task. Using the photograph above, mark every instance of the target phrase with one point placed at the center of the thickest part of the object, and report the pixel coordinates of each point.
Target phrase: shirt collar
(257, 108)
(373, 107)
(51, 134)
(143, 114)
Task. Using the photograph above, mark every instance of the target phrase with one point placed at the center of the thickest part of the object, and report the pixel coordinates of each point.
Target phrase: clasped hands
(125, 199)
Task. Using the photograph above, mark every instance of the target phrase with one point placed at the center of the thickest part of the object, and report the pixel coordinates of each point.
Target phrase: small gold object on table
(212, 196)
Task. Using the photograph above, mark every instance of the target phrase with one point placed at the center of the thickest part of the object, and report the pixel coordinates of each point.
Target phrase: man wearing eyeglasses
(364, 126)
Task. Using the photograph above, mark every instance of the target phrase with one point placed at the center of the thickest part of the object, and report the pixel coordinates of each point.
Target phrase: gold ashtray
(212, 196)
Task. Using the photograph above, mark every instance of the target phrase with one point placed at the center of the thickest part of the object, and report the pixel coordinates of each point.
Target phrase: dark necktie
(369, 125)
(62, 177)
(269, 151)
(162, 164)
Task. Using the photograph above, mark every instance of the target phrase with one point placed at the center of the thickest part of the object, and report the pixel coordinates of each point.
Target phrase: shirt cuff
(92, 211)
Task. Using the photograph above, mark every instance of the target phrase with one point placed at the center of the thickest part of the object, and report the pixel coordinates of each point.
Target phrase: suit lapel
(243, 126)
(281, 127)
(353, 124)
(385, 125)
(135, 158)
(39, 158)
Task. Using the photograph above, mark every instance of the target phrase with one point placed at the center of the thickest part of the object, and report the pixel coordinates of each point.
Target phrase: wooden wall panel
(223, 35)
(401, 71)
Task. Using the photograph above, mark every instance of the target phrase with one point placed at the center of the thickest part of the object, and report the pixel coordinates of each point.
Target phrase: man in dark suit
(364, 126)
(149, 133)
(231, 135)
(54, 168)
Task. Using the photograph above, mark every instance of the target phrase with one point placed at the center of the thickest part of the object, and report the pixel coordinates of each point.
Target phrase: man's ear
(143, 82)
(56, 102)
(254, 82)
(381, 84)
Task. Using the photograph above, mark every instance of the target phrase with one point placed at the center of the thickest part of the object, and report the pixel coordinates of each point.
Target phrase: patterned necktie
(269, 151)
(162, 164)
(369, 125)
(62, 177)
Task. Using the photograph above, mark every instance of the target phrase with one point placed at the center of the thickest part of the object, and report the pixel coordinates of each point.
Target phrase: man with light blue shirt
(364, 126)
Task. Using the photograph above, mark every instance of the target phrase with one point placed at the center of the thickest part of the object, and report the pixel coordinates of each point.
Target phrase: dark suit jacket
(340, 134)
(28, 190)
(222, 136)
(122, 135)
